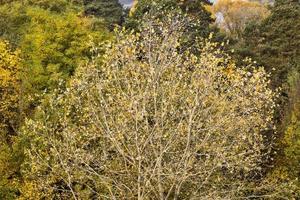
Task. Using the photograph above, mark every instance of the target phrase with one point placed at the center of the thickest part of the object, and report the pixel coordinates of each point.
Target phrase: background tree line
(80, 102)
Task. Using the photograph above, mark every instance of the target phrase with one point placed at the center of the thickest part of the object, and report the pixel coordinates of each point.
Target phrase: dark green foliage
(275, 43)
(12, 20)
(199, 18)
(110, 10)
(52, 5)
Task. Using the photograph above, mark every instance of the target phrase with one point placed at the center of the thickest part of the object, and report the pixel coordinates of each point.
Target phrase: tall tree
(275, 42)
(234, 15)
(53, 40)
(153, 123)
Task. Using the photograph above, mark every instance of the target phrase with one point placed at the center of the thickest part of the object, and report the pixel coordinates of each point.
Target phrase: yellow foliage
(133, 8)
(233, 15)
(154, 118)
(29, 191)
(9, 86)
(9, 100)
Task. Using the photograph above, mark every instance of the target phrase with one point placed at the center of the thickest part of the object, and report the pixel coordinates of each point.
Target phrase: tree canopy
(199, 17)
(110, 10)
(151, 122)
(275, 42)
(234, 15)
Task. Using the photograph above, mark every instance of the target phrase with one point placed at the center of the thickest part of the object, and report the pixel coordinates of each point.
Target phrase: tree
(52, 43)
(154, 122)
(199, 17)
(13, 19)
(234, 15)
(110, 10)
(274, 43)
(53, 46)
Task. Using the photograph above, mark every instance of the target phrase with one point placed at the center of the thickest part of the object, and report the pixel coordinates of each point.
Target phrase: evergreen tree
(275, 43)
(199, 17)
(110, 10)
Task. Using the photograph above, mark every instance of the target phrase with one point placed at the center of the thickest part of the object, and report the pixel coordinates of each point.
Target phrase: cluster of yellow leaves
(29, 191)
(9, 86)
(9, 115)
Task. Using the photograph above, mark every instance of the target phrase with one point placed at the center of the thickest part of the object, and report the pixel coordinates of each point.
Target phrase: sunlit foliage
(160, 111)
(53, 46)
(233, 15)
(53, 43)
(155, 122)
